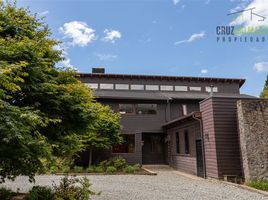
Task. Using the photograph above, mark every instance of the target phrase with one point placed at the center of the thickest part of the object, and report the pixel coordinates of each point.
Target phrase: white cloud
(195, 36)
(207, 2)
(66, 63)
(106, 57)
(204, 71)
(111, 35)
(175, 2)
(261, 9)
(42, 14)
(80, 33)
(261, 67)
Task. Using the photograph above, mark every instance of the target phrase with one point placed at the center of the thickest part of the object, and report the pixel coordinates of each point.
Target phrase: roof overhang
(183, 119)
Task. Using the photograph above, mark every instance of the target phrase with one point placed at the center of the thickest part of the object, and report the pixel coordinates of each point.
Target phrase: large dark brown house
(186, 122)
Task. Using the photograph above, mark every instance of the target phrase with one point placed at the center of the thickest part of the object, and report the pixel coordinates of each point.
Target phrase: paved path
(167, 185)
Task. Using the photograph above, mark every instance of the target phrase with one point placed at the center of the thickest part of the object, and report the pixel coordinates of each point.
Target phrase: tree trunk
(89, 156)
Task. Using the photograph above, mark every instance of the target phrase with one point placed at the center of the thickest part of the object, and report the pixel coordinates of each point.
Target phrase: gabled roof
(159, 77)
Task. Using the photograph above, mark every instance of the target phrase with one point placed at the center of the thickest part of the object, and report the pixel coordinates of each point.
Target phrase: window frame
(115, 153)
(136, 108)
(177, 135)
(133, 106)
(186, 143)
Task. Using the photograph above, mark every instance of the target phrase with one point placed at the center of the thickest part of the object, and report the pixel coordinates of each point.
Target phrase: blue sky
(163, 37)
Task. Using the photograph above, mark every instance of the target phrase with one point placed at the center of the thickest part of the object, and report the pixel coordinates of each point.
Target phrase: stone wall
(253, 133)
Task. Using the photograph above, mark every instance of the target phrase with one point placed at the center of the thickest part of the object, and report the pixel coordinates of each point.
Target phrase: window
(128, 145)
(186, 143)
(181, 88)
(121, 86)
(166, 87)
(137, 87)
(152, 87)
(126, 108)
(150, 109)
(155, 144)
(208, 89)
(106, 86)
(92, 85)
(195, 89)
(184, 109)
(178, 142)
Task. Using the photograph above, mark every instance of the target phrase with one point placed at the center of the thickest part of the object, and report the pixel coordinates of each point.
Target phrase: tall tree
(264, 93)
(46, 114)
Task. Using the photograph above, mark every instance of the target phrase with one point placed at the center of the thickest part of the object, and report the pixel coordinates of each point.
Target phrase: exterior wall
(176, 107)
(253, 127)
(184, 162)
(221, 141)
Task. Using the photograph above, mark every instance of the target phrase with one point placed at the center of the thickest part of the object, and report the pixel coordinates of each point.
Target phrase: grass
(260, 184)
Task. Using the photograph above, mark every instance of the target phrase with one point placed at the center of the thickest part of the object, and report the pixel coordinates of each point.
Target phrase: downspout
(203, 145)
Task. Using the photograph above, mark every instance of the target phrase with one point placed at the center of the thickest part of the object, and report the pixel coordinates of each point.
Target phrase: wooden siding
(206, 107)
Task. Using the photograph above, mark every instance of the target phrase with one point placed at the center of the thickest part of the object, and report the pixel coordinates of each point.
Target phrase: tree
(46, 113)
(264, 93)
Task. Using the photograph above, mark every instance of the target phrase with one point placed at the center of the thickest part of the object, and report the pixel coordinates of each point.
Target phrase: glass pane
(166, 87)
(128, 145)
(152, 87)
(126, 108)
(92, 85)
(146, 109)
(106, 86)
(121, 86)
(137, 87)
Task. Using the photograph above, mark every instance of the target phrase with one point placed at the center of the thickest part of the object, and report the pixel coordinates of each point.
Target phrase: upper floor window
(181, 88)
(152, 87)
(208, 89)
(92, 85)
(184, 109)
(107, 86)
(195, 89)
(121, 86)
(166, 87)
(186, 142)
(126, 108)
(150, 109)
(136, 87)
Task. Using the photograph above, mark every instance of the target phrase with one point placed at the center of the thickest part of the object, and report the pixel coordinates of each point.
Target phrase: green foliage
(137, 167)
(264, 93)
(73, 189)
(130, 169)
(118, 162)
(260, 184)
(40, 193)
(111, 170)
(47, 116)
(99, 169)
(90, 169)
(78, 169)
(6, 194)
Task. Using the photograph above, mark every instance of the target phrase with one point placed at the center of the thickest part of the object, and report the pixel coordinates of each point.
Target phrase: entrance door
(199, 158)
(153, 148)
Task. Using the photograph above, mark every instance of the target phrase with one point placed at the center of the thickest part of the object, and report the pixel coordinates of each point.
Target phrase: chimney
(98, 70)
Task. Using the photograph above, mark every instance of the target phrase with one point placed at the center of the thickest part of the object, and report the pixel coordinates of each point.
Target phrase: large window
(126, 108)
(150, 109)
(128, 145)
(178, 142)
(184, 109)
(186, 142)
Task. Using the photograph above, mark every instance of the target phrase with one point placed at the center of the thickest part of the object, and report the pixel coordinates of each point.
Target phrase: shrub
(129, 169)
(91, 169)
(6, 194)
(106, 163)
(78, 169)
(73, 189)
(260, 184)
(65, 169)
(137, 167)
(40, 193)
(99, 169)
(118, 162)
(111, 170)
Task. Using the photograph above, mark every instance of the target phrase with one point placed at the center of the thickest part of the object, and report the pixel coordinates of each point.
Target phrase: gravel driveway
(166, 185)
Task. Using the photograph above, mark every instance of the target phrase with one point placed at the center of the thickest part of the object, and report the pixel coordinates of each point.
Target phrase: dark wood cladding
(222, 151)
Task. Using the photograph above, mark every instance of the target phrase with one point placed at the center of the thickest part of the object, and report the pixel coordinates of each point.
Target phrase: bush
(111, 170)
(6, 194)
(73, 189)
(99, 169)
(119, 162)
(40, 193)
(106, 163)
(65, 169)
(129, 169)
(90, 169)
(137, 167)
(78, 169)
(261, 184)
